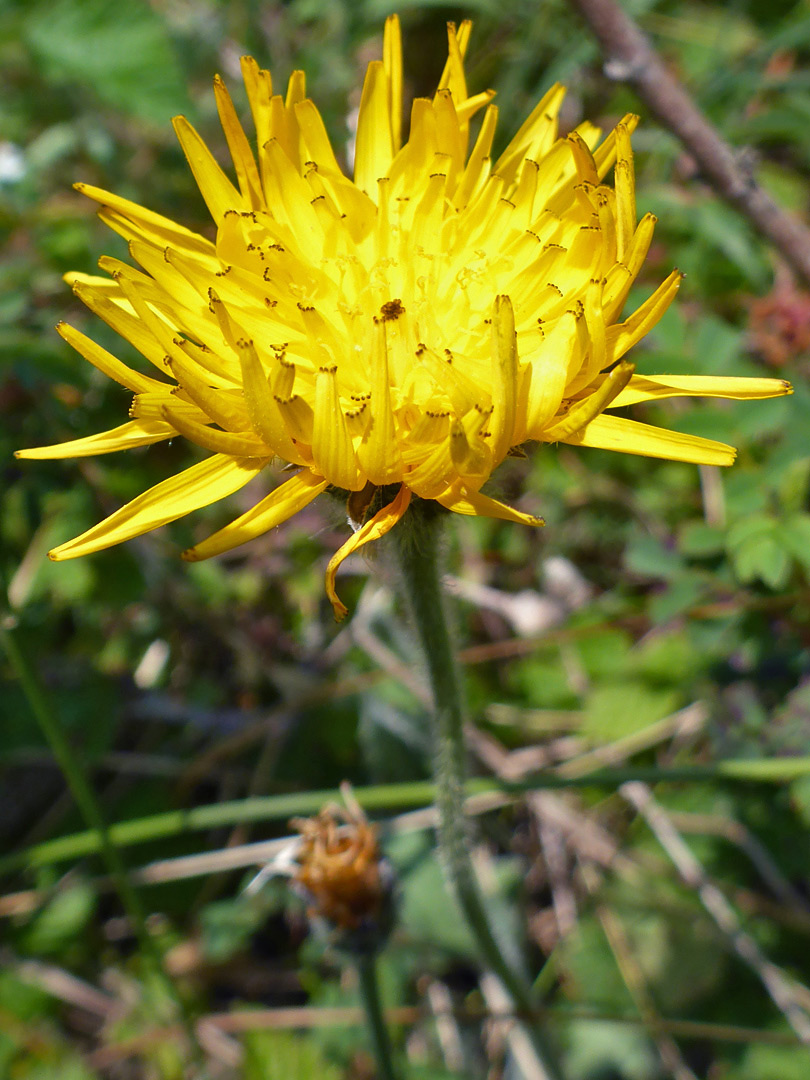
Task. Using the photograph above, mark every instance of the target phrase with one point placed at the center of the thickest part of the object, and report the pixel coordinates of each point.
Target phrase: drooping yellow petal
(382, 522)
(284, 501)
(202, 484)
(473, 504)
(124, 437)
(608, 432)
(652, 387)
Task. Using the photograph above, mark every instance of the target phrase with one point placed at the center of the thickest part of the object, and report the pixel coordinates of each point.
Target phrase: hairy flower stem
(372, 1004)
(91, 811)
(419, 561)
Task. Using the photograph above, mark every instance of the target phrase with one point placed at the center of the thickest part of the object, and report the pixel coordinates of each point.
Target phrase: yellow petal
(582, 412)
(392, 61)
(477, 169)
(452, 77)
(125, 437)
(259, 87)
(583, 159)
(539, 128)
(374, 147)
(316, 139)
(605, 154)
(202, 484)
(107, 363)
(472, 503)
(651, 387)
(378, 453)
(630, 437)
(147, 220)
(378, 526)
(272, 510)
(504, 378)
(625, 190)
(551, 363)
(242, 156)
(223, 407)
(215, 187)
(237, 444)
(157, 263)
(262, 407)
(132, 329)
(623, 336)
(433, 474)
(331, 443)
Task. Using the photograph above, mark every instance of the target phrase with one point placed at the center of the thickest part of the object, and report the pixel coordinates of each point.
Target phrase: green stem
(386, 797)
(418, 552)
(91, 811)
(372, 1004)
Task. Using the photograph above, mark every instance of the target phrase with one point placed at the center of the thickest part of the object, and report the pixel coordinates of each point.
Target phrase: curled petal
(382, 522)
(474, 504)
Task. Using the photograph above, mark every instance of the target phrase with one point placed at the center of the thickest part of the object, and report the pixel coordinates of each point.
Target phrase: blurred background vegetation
(660, 619)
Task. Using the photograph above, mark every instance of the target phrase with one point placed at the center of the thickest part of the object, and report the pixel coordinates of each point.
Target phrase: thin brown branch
(629, 57)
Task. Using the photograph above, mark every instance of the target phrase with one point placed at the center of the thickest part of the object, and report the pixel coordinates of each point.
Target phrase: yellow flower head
(402, 330)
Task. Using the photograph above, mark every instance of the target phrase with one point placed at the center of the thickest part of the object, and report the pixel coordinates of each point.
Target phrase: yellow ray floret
(394, 334)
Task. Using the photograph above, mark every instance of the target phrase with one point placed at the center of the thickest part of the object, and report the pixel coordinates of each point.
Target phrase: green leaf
(757, 551)
(649, 558)
(795, 537)
(621, 708)
(62, 920)
(785, 1062)
(282, 1055)
(701, 541)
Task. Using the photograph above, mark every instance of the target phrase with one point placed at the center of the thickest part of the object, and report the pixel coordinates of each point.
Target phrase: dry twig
(629, 57)
(777, 983)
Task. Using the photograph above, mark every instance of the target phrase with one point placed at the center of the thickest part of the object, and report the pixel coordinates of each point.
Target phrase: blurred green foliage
(184, 685)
